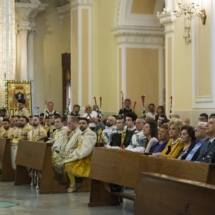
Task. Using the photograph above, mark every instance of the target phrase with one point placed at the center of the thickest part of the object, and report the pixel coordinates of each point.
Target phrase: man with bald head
(110, 128)
(200, 134)
(175, 116)
(186, 121)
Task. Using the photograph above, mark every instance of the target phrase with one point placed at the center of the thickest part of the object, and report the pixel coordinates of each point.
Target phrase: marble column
(23, 58)
(30, 74)
(25, 14)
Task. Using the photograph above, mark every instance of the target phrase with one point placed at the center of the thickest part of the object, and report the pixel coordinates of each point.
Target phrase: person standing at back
(151, 114)
(22, 111)
(91, 115)
(203, 117)
(50, 110)
(126, 109)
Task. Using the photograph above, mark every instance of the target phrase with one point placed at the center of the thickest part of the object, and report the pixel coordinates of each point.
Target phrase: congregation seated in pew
(139, 135)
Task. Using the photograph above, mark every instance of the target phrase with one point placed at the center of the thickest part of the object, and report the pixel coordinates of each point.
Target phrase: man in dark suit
(194, 149)
(207, 152)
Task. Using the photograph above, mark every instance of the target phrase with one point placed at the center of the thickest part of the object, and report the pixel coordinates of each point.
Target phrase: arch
(125, 17)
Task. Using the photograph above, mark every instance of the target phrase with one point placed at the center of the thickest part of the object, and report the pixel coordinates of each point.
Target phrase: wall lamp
(190, 10)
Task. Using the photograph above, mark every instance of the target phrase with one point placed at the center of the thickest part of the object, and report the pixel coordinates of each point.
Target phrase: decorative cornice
(167, 19)
(64, 12)
(139, 35)
(75, 3)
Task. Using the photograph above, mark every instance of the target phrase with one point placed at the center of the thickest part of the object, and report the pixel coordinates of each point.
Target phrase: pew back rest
(2, 148)
(115, 166)
(31, 154)
(195, 171)
(160, 194)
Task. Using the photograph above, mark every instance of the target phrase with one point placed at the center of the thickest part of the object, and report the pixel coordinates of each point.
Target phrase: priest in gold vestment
(14, 131)
(24, 129)
(38, 133)
(67, 141)
(6, 124)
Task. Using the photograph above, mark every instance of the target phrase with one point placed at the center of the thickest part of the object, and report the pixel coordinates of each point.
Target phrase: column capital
(26, 11)
(23, 30)
(167, 19)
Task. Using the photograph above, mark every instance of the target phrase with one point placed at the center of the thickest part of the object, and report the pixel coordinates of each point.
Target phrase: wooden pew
(86, 182)
(7, 172)
(123, 168)
(160, 194)
(112, 166)
(37, 155)
(195, 171)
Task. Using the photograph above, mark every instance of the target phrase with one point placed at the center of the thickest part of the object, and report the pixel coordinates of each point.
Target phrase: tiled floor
(30, 202)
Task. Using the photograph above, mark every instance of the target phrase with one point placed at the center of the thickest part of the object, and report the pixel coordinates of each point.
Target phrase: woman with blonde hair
(175, 144)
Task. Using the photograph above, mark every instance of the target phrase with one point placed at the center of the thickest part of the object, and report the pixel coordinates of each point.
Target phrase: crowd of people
(74, 139)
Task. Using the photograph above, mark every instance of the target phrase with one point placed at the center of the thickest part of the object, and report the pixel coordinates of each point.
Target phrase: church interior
(72, 52)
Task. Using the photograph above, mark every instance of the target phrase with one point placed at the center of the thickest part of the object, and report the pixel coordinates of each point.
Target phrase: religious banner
(15, 90)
